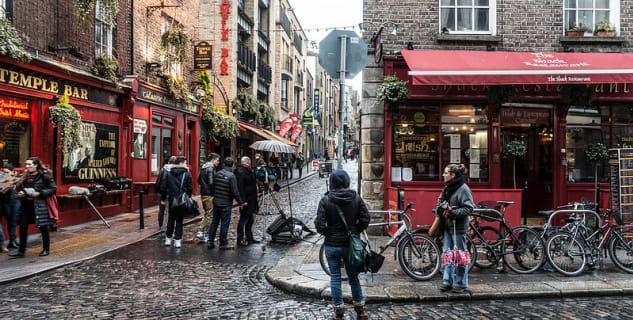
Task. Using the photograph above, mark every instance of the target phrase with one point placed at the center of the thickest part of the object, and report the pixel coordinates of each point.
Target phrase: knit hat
(339, 179)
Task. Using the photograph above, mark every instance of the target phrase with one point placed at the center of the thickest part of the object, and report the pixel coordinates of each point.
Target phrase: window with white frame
(589, 13)
(3, 8)
(467, 16)
(171, 66)
(103, 33)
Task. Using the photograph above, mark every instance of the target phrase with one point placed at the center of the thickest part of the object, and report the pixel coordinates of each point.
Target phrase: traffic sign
(355, 53)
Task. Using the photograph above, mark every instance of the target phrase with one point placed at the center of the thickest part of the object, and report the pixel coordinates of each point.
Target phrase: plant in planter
(596, 154)
(579, 95)
(219, 124)
(109, 10)
(578, 30)
(178, 89)
(604, 29)
(175, 43)
(106, 67)
(514, 150)
(499, 95)
(268, 114)
(393, 92)
(11, 43)
(249, 110)
(66, 118)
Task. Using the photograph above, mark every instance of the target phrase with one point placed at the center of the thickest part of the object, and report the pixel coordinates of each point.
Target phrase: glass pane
(602, 16)
(417, 148)
(448, 2)
(595, 115)
(157, 119)
(16, 140)
(602, 4)
(156, 165)
(169, 121)
(98, 33)
(585, 4)
(167, 145)
(464, 114)
(481, 2)
(468, 145)
(586, 18)
(448, 19)
(570, 3)
(464, 2)
(464, 20)
(570, 19)
(623, 114)
(577, 140)
(623, 137)
(481, 16)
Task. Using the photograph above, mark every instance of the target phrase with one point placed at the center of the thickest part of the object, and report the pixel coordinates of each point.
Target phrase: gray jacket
(462, 200)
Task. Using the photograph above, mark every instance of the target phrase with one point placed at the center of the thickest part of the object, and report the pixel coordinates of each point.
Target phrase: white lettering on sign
(568, 79)
(548, 60)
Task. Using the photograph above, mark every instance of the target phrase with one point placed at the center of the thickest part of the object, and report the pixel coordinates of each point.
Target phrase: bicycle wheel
(566, 254)
(523, 250)
(472, 248)
(621, 250)
(419, 257)
(326, 267)
(485, 256)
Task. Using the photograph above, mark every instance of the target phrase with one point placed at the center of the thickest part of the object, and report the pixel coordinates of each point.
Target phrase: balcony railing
(263, 41)
(285, 23)
(264, 71)
(298, 42)
(299, 80)
(246, 58)
(244, 23)
(287, 65)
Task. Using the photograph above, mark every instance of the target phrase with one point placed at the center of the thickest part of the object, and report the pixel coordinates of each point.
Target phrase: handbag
(357, 254)
(436, 227)
(53, 208)
(374, 261)
(184, 203)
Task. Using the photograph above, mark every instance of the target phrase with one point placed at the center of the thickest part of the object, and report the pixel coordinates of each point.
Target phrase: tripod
(266, 208)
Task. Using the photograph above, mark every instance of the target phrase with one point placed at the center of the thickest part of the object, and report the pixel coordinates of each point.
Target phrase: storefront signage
(415, 147)
(159, 97)
(140, 139)
(525, 115)
(285, 127)
(40, 82)
(317, 95)
(96, 159)
(225, 10)
(296, 132)
(14, 108)
(523, 90)
(202, 56)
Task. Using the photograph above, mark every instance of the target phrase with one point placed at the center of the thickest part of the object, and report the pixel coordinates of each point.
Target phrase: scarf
(452, 186)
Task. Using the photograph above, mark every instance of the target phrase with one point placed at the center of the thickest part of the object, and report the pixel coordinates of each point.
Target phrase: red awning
(499, 68)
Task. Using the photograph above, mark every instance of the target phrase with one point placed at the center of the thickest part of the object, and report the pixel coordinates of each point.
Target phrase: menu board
(621, 182)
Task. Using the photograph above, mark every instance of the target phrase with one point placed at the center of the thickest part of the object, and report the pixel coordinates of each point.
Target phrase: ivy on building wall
(268, 115)
(10, 42)
(68, 120)
(175, 44)
(109, 10)
(106, 67)
(219, 124)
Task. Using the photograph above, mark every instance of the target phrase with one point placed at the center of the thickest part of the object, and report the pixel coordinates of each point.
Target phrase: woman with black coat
(179, 180)
(36, 187)
(329, 223)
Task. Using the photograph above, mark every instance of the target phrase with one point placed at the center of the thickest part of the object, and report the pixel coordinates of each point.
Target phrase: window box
(605, 33)
(573, 33)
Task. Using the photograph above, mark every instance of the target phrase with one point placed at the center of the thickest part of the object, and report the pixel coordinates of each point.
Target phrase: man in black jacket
(205, 181)
(247, 184)
(161, 188)
(225, 191)
(330, 224)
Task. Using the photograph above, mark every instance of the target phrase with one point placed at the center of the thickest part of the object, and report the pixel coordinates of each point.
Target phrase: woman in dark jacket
(328, 223)
(455, 204)
(178, 175)
(37, 186)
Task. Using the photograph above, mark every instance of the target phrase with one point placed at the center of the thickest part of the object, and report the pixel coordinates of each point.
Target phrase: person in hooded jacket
(247, 185)
(328, 223)
(179, 180)
(205, 183)
(161, 187)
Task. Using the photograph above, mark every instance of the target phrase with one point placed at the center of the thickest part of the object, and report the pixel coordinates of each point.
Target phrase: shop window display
(15, 137)
(584, 127)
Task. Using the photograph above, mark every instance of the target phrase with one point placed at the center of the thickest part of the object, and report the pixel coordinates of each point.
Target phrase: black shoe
(252, 241)
(459, 290)
(44, 253)
(242, 243)
(17, 254)
(12, 244)
(210, 245)
(445, 287)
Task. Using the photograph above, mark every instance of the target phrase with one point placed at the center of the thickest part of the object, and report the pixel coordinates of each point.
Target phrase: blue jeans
(11, 211)
(334, 255)
(459, 277)
(223, 215)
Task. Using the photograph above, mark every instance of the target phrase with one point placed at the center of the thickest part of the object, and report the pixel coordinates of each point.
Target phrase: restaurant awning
(266, 134)
(436, 67)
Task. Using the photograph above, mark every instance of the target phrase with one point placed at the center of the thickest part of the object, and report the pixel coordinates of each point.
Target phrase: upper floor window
(467, 16)
(3, 8)
(589, 13)
(103, 32)
(171, 66)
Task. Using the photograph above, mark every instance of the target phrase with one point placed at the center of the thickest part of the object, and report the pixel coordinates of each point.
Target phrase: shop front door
(534, 171)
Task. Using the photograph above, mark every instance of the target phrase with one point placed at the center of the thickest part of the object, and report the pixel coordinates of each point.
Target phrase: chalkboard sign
(621, 182)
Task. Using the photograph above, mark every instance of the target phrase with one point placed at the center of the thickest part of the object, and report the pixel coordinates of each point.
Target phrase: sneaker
(206, 238)
(459, 290)
(226, 246)
(444, 287)
(177, 244)
(200, 235)
(167, 242)
(210, 244)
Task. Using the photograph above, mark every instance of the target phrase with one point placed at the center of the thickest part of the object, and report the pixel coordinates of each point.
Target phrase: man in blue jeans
(11, 206)
(225, 192)
(338, 204)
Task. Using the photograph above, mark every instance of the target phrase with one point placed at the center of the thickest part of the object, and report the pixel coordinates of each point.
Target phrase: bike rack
(549, 220)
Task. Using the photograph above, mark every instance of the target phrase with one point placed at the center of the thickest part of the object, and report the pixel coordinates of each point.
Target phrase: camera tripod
(267, 206)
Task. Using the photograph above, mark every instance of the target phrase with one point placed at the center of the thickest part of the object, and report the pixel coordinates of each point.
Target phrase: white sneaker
(200, 235)
(177, 243)
(167, 242)
(206, 238)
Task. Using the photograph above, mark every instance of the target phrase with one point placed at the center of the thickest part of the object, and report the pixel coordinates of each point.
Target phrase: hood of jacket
(342, 196)
(178, 170)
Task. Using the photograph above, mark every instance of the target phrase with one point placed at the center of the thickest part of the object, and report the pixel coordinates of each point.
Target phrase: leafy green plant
(86, 8)
(596, 153)
(68, 120)
(106, 67)
(580, 27)
(392, 91)
(219, 124)
(604, 26)
(268, 114)
(178, 89)
(175, 44)
(11, 43)
(501, 94)
(514, 150)
(580, 95)
(249, 109)
(205, 81)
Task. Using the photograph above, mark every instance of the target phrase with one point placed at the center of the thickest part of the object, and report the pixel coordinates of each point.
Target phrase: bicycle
(570, 252)
(520, 248)
(417, 254)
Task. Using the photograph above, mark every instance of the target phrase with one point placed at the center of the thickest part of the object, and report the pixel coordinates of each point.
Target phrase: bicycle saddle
(546, 213)
(505, 203)
(573, 218)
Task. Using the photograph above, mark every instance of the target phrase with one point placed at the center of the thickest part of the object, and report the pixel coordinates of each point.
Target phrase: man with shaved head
(247, 184)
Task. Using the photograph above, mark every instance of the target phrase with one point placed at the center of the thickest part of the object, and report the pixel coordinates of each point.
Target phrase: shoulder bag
(356, 255)
(184, 203)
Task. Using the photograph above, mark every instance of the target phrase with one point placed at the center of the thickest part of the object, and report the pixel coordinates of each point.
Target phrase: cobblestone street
(147, 280)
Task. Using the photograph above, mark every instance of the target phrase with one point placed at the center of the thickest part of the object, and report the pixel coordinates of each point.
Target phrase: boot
(12, 243)
(359, 307)
(339, 313)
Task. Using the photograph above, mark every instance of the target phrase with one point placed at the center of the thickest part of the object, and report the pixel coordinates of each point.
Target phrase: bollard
(140, 210)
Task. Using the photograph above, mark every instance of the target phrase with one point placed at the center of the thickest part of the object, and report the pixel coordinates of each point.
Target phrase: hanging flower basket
(219, 124)
(86, 8)
(68, 120)
(249, 109)
(205, 81)
(178, 89)
(106, 67)
(11, 43)
(175, 44)
(393, 92)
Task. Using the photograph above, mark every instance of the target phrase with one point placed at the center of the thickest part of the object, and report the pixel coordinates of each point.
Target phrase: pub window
(584, 127)
(589, 13)
(172, 67)
(162, 141)
(103, 33)
(15, 131)
(467, 16)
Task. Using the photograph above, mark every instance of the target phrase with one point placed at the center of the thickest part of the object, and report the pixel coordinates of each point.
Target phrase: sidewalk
(299, 272)
(86, 241)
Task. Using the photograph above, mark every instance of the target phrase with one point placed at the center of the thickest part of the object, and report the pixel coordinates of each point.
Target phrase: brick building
(452, 116)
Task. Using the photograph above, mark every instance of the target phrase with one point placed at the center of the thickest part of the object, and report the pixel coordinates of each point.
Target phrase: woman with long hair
(33, 191)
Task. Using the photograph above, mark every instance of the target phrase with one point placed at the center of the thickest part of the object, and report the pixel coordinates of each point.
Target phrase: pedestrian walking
(339, 203)
(224, 193)
(352, 154)
(283, 165)
(455, 204)
(37, 186)
(205, 183)
(300, 162)
(179, 181)
(247, 185)
(161, 187)
(11, 206)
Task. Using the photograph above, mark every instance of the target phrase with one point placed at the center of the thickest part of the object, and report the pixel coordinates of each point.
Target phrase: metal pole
(339, 155)
(140, 210)
(358, 157)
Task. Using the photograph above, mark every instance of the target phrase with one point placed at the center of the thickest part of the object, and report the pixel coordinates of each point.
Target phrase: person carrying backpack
(205, 181)
(179, 180)
(161, 188)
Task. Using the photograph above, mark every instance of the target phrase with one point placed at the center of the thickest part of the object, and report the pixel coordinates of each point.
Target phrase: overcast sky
(328, 14)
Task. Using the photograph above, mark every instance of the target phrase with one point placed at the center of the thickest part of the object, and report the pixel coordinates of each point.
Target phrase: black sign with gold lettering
(97, 158)
(202, 56)
(159, 97)
(27, 79)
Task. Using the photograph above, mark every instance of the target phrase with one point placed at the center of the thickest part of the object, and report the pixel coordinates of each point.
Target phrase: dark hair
(457, 169)
(228, 162)
(180, 160)
(9, 167)
(212, 156)
(261, 162)
(36, 161)
(172, 160)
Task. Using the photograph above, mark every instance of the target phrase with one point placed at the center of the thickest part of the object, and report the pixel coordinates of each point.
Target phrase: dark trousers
(300, 171)
(11, 212)
(174, 218)
(24, 232)
(284, 174)
(245, 225)
(161, 212)
(220, 215)
(290, 173)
